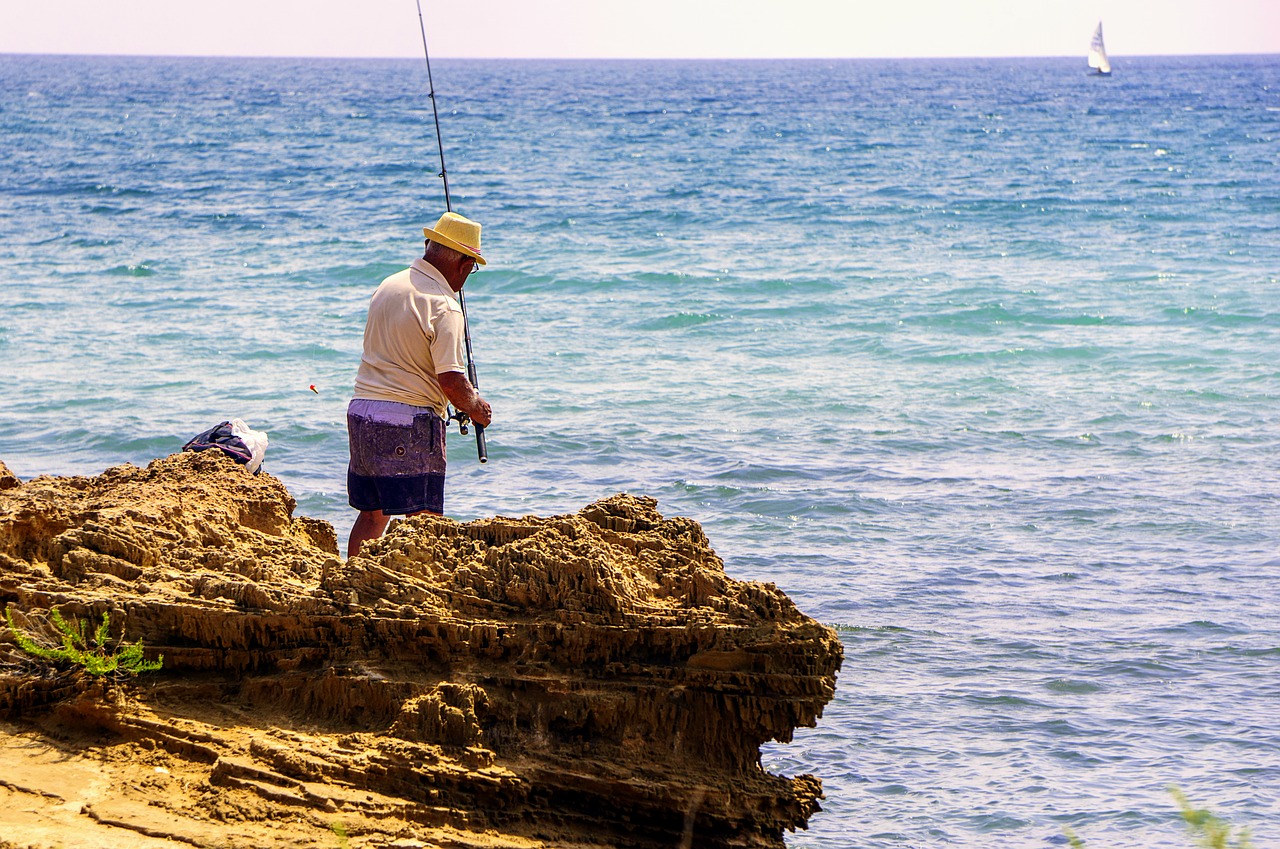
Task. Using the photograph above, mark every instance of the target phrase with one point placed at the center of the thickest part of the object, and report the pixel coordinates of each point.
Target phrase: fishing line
(482, 448)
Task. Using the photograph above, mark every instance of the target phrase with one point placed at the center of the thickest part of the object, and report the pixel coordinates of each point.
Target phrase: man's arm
(463, 396)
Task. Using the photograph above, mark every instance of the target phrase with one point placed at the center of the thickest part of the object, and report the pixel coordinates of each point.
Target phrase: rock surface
(587, 680)
(8, 480)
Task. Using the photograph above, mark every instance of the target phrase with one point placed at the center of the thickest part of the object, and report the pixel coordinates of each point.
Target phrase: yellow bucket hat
(461, 234)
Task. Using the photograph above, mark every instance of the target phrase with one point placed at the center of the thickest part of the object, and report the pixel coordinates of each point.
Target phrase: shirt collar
(421, 266)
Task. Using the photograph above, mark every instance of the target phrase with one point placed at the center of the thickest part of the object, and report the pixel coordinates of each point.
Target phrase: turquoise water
(978, 360)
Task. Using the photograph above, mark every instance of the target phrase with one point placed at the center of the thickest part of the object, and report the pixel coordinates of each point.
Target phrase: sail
(1098, 53)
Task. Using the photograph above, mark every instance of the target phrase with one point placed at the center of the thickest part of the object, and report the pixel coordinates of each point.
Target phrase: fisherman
(412, 368)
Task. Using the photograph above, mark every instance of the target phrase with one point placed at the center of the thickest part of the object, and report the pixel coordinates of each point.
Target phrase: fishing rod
(481, 448)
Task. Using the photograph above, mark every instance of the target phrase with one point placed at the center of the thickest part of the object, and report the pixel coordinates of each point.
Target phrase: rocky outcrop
(8, 480)
(587, 680)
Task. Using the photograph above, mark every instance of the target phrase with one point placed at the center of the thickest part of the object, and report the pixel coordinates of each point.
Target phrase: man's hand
(463, 396)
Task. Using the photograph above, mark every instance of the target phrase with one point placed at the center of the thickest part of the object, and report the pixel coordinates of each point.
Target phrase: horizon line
(620, 58)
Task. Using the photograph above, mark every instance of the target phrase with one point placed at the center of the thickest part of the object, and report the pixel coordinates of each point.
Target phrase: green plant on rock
(86, 651)
(1209, 831)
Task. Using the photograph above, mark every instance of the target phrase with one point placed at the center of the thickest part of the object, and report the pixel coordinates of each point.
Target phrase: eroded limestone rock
(8, 480)
(592, 679)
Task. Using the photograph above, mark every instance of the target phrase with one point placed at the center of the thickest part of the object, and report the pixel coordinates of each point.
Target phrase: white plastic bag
(254, 440)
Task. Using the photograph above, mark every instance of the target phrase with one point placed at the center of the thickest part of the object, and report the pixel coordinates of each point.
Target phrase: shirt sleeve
(447, 352)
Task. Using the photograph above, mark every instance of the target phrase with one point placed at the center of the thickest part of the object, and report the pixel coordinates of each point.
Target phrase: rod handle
(482, 448)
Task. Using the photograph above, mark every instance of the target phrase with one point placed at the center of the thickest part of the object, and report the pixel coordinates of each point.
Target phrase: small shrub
(84, 650)
(1209, 831)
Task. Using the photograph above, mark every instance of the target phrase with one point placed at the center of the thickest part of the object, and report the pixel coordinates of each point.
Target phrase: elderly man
(412, 368)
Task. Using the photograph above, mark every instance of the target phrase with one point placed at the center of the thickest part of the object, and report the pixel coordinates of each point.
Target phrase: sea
(977, 359)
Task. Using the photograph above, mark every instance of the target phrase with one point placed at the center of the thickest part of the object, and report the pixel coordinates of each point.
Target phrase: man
(412, 368)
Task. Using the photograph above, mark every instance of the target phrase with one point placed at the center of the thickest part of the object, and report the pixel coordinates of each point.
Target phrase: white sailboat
(1098, 54)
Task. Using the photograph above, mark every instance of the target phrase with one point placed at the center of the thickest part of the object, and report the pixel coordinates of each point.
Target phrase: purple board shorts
(397, 457)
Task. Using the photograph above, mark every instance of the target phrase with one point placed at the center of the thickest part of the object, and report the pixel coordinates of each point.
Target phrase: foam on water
(976, 359)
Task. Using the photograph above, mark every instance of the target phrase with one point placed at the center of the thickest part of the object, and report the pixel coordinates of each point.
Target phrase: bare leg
(369, 525)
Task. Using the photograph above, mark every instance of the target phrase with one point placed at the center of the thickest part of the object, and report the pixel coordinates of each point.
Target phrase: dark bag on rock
(235, 439)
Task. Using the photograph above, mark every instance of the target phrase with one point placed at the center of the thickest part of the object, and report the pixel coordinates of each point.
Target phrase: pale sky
(652, 29)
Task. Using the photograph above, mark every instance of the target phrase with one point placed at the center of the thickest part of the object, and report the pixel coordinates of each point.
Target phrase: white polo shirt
(414, 332)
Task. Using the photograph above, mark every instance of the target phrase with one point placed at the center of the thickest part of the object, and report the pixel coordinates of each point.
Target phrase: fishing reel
(464, 427)
(461, 418)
